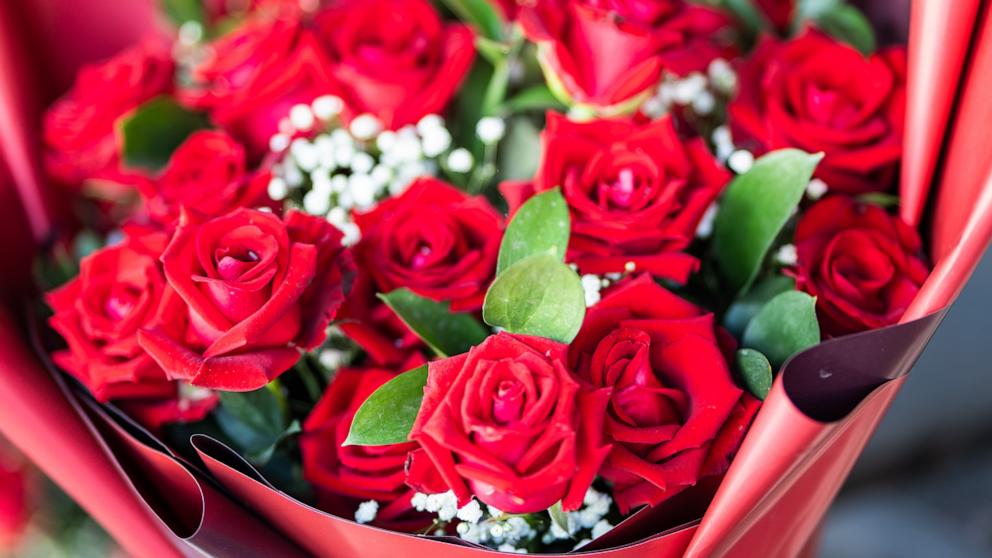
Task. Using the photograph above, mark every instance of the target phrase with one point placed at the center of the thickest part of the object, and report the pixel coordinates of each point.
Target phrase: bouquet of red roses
(532, 276)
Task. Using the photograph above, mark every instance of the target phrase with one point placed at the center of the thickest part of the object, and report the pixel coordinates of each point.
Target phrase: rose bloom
(395, 59)
(257, 290)
(508, 423)
(818, 94)
(636, 192)
(121, 289)
(675, 415)
(344, 476)
(80, 129)
(863, 265)
(208, 174)
(605, 52)
(433, 239)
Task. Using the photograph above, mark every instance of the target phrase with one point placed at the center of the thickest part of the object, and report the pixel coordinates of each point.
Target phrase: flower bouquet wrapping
(375, 278)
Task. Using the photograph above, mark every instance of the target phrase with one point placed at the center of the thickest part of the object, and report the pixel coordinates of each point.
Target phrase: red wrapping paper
(786, 474)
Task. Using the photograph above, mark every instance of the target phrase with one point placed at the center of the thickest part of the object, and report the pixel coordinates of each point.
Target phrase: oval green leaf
(747, 305)
(387, 416)
(783, 327)
(755, 370)
(155, 130)
(540, 226)
(443, 331)
(481, 14)
(540, 296)
(753, 211)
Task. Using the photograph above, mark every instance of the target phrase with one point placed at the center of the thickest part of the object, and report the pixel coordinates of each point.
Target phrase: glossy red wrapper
(809, 432)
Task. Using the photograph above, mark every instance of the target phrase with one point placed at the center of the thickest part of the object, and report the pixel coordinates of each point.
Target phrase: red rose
(433, 239)
(395, 59)
(817, 94)
(636, 192)
(257, 290)
(80, 128)
(257, 74)
(344, 476)
(207, 174)
(607, 52)
(675, 414)
(120, 290)
(509, 423)
(863, 265)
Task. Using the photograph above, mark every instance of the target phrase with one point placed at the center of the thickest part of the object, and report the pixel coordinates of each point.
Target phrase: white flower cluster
(595, 507)
(332, 169)
(593, 284)
(697, 90)
(506, 533)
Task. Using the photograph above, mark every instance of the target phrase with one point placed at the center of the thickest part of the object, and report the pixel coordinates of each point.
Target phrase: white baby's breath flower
(330, 359)
(787, 255)
(278, 190)
(428, 123)
(470, 512)
(460, 160)
(436, 141)
(316, 202)
(365, 126)
(301, 117)
(419, 501)
(705, 227)
(601, 528)
(490, 129)
(741, 161)
(278, 143)
(816, 189)
(327, 107)
(367, 511)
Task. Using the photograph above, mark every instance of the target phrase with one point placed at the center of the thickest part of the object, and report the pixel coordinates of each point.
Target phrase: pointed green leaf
(559, 517)
(539, 295)
(540, 226)
(481, 14)
(755, 370)
(155, 130)
(848, 24)
(445, 332)
(387, 416)
(753, 211)
(254, 420)
(537, 97)
(783, 327)
(747, 305)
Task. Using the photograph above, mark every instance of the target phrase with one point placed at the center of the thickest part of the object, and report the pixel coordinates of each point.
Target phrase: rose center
(827, 106)
(620, 192)
(508, 402)
(121, 303)
(234, 264)
(422, 257)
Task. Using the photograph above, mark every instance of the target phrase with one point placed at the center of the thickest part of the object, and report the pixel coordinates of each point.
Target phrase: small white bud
(331, 359)
(362, 189)
(689, 87)
(367, 511)
(740, 161)
(429, 122)
(306, 155)
(278, 188)
(601, 528)
(436, 141)
(704, 103)
(629, 267)
(490, 129)
(460, 160)
(705, 227)
(816, 189)
(362, 163)
(190, 32)
(470, 512)
(386, 140)
(301, 117)
(327, 107)
(365, 126)
(278, 143)
(316, 203)
(787, 255)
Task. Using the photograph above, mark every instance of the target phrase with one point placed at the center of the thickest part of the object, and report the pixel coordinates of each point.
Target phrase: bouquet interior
(368, 277)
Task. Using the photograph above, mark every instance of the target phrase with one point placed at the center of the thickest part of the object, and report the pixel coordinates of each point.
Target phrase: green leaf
(254, 420)
(539, 295)
(881, 199)
(537, 97)
(540, 226)
(747, 305)
(559, 517)
(750, 17)
(181, 11)
(445, 332)
(493, 51)
(811, 10)
(387, 416)
(755, 370)
(520, 150)
(848, 24)
(783, 327)
(481, 14)
(753, 211)
(155, 130)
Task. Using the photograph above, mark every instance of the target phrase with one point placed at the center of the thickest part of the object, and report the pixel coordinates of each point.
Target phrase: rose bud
(80, 129)
(675, 415)
(863, 265)
(257, 290)
(605, 53)
(344, 476)
(433, 239)
(818, 94)
(508, 423)
(207, 172)
(120, 290)
(636, 192)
